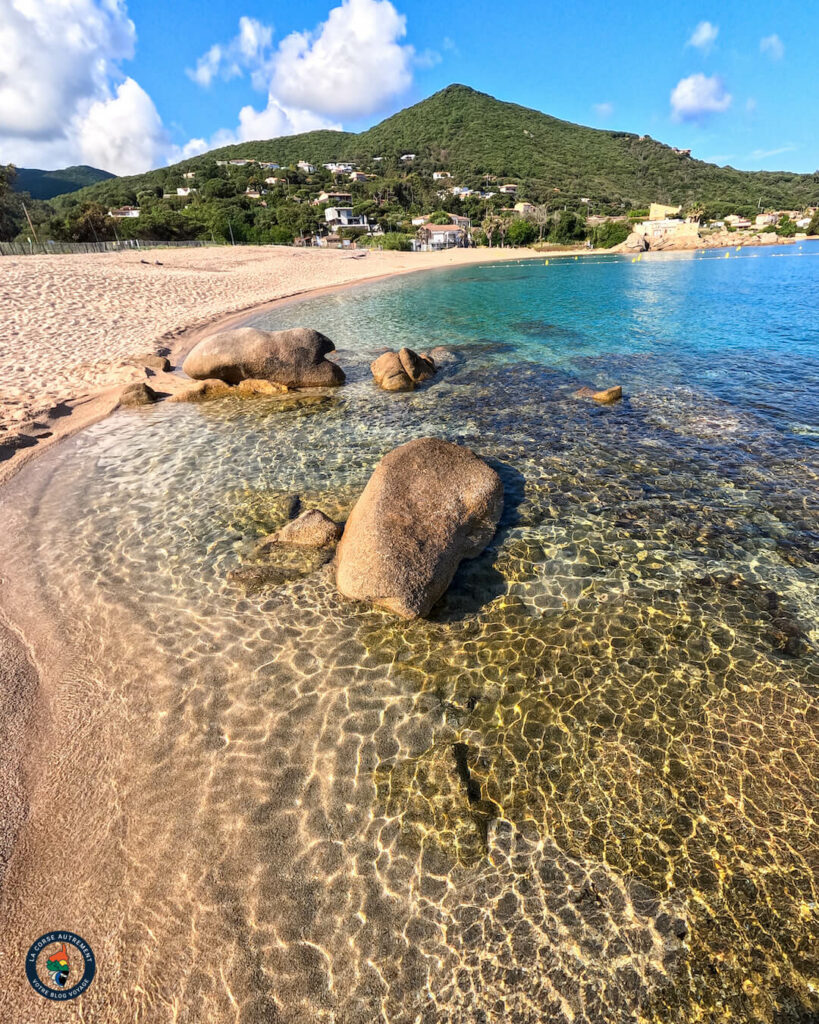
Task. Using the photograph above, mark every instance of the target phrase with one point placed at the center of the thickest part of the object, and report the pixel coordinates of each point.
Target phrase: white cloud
(277, 120)
(697, 96)
(763, 154)
(704, 36)
(249, 49)
(604, 109)
(349, 66)
(62, 96)
(123, 133)
(773, 46)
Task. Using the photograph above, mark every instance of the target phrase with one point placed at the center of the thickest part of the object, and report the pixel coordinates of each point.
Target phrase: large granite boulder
(428, 505)
(295, 358)
(635, 243)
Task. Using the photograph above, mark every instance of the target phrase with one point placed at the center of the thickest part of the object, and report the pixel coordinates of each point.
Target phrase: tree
(540, 217)
(521, 232)
(610, 233)
(440, 217)
(11, 211)
(813, 227)
(569, 227)
(786, 227)
(493, 227)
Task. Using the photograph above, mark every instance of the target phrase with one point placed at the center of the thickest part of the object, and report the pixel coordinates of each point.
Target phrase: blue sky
(130, 85)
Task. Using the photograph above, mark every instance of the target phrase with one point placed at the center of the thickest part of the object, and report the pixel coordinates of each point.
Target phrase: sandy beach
(73, 324)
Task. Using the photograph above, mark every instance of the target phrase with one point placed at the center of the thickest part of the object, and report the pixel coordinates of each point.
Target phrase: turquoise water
(627, 678)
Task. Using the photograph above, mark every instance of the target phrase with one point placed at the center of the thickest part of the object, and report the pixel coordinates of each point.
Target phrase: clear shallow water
(585, 790)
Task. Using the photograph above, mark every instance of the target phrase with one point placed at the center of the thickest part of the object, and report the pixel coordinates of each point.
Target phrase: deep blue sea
(584, 790)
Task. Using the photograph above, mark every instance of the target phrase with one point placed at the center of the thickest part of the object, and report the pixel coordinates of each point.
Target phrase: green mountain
(474, 135)
(47, 184)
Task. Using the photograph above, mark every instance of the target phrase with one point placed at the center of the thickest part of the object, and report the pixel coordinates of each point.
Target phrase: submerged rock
(605, 397)
(201, 391)
(295, 358)
(312, 529)
(137, 394)
(253, 386)
(428, 505)
(402, 370)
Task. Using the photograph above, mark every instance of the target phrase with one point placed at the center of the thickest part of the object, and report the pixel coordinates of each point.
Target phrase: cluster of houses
(664, 226)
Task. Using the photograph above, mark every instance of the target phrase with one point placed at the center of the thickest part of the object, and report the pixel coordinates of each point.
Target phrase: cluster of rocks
(428, 505)
(248, 361)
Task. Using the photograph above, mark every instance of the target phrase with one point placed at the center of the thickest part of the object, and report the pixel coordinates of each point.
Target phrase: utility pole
(36, 239)
(230, 229)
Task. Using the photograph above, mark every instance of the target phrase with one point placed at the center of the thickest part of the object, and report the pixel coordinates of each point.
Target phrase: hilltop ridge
(471, 133)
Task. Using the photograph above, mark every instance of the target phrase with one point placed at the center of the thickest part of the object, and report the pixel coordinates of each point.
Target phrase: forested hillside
(482, 142)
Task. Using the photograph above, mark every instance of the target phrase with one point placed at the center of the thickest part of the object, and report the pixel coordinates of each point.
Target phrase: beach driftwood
(295, 358)
(428, 505)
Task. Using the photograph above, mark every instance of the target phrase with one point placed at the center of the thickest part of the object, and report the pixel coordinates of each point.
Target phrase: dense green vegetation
(609, 234)
(566, 171)
(813, 227)
(47, 184)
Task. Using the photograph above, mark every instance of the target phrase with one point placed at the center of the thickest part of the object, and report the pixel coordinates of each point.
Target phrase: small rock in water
(428, 505)
(606, 397)
(202, 390)
(402, 370)
(255, 386)
(137, 394)
(390, 375)
(312, 529)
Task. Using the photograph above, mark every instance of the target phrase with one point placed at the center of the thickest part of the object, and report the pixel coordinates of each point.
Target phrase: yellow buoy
(738, 248)
(633, 259)
(546, 264)
(727, 255)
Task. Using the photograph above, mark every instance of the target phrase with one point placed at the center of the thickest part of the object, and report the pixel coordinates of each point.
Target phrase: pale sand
(71, 322)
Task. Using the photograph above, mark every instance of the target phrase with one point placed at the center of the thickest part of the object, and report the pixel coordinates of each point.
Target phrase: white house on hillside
(440, 175)
(338, 217)
(124, 211)
(303, 165)
(269, 167)
(337, 168)
(185, 191)
(509, 190)
(407, 157)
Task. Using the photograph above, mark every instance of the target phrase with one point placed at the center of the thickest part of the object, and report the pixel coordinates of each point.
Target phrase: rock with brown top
(295, 358)
(390, 375)
(312, 529)
(201, 391)
(252, 386)
(428, 505)
(402, 370)
(606, 397)
(416, 367)
(137, 394)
